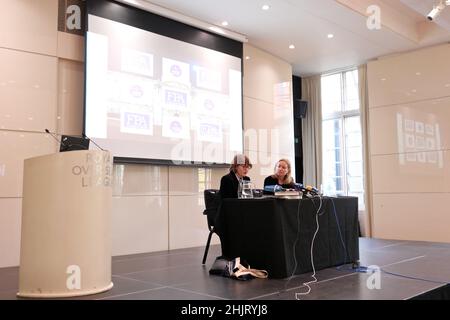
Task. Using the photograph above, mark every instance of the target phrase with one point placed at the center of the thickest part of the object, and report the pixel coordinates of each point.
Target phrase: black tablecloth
(264, 232)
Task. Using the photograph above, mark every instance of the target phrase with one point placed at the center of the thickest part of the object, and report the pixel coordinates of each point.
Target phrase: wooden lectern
(66, 225)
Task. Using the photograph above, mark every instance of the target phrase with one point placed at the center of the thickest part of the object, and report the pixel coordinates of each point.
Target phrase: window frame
(341, 116)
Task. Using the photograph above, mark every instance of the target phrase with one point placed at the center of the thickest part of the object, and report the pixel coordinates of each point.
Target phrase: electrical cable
(307, 284)
(295, 245)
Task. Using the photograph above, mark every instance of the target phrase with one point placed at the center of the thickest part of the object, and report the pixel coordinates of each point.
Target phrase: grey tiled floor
(179, 275)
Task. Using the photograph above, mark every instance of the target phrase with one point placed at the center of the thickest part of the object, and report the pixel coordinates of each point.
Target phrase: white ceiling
(306, 24)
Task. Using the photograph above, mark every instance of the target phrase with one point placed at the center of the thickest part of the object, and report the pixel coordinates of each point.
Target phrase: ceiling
(306, 24)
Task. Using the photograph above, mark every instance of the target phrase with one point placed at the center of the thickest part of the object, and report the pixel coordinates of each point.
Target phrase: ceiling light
(330, 35)
(225, 23)
(418, 73)
(291, 46)
(266, 7)
(247, 57)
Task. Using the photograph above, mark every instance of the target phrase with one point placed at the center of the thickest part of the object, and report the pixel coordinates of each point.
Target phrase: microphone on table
(273, 188)
(299, 187)
(305, 189)
(312, 189)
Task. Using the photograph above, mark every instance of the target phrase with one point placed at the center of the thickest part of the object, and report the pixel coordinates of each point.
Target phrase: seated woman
(282, 175)
(229, 184)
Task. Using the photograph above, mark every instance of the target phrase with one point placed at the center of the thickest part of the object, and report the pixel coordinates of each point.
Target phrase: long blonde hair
(287, 179)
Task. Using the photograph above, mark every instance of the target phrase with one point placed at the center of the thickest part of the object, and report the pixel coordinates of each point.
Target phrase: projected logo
(175, 125)
(209, 129)
(136, 123)
(176, 72)
(419, 141)
(137, 62)
(208, 104)
(130, 89)
(175, 99)
(211, 104)
(208, 78)
(136, 91)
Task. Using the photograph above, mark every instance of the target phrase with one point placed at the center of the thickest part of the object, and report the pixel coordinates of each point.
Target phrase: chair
(212, 202)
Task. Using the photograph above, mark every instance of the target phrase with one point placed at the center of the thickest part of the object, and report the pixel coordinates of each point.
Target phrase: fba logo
(70, 16)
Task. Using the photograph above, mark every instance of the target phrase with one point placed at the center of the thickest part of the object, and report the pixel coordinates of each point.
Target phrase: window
(341, 136)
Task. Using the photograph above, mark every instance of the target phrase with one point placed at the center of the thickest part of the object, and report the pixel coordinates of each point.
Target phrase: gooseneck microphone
(54, 137)
(310, 189)
(273, 188)
(86, 137)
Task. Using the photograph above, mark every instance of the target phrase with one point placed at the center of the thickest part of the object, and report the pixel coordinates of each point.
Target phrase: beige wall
(154, 207)
(268, 112)
(409, 98)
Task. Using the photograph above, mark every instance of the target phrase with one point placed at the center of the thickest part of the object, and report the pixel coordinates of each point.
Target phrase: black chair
(212, 203)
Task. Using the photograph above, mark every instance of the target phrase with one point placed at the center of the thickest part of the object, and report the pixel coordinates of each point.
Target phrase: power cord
(340, 232)
(295, 245)
(307, 284)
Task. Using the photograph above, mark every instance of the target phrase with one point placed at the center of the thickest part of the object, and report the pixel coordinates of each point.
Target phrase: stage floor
(408, 270)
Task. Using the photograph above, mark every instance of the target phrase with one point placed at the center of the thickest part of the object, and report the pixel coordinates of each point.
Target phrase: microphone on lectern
(54, 137)
(86, 137)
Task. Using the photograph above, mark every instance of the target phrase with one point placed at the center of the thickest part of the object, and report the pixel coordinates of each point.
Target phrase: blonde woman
(281, 176)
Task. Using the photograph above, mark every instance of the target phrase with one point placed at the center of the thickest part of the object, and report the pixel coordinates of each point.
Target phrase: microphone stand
(86, 137)
(56, 139)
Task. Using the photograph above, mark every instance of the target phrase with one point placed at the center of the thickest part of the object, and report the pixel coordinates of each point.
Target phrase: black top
(271, 181)
(229, 185)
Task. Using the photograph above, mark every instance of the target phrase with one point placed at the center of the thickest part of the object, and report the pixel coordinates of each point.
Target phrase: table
(272, 233)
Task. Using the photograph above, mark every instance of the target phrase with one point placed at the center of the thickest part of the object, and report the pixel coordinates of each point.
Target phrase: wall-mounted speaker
(300, 108)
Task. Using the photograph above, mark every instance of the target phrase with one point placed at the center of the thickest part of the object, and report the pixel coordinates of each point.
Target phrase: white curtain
(364, 107)
(312, 131)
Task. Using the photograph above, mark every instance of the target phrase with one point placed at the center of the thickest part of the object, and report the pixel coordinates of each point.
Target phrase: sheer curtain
(312, 131)
(364, 107)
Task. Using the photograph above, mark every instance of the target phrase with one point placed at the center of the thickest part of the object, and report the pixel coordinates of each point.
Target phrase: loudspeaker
(296, 87)
(300, 108)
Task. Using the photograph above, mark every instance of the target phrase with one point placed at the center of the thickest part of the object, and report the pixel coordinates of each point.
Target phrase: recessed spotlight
(266, 7)
(247, 57)
(447, 85)
(383, 79)
(225, 23)
(291, 46)
(413, 90)
(330, 36)
(418, 73)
